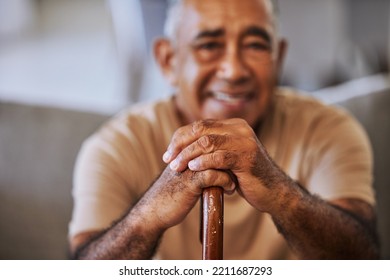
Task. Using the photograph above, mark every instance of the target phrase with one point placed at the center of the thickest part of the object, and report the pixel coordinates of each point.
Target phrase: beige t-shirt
(321, 147)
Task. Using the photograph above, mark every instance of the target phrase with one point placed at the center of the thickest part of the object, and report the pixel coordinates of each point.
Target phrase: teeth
(228, 98)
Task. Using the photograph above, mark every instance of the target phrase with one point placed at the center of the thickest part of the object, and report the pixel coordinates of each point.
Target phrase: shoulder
(142, 116)
(139, 119)
(150, 111)
(299, 102)
(305, 112)
(316, 130)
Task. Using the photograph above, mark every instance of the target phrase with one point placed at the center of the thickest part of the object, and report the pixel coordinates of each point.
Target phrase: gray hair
(173, 16)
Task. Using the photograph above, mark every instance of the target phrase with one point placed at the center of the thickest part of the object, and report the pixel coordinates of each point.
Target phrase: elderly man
(296, 174)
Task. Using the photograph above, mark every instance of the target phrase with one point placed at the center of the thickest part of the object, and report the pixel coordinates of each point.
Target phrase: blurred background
(67, 65)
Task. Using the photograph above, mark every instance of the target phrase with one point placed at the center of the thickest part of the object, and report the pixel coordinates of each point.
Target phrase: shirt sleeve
(100, 182)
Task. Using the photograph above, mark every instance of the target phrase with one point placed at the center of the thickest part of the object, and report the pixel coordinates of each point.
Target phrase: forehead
(229, 15)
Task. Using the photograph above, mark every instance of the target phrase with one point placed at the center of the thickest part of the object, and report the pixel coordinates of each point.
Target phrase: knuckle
(245, 131)
(201, 126)
(207, 123)
(210, 142)
(217, 159)
(197, 127)
(215, 178)
(205, 142)
(240, 122)
(243, 127)
(178, 133)
(225, 180)
(207, 178)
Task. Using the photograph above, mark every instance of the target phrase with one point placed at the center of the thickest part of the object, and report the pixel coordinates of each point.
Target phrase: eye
(208, 50)
(257, 46)
(209, 46)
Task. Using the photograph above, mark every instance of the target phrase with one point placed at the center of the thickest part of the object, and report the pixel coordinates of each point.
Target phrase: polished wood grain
(212, 223)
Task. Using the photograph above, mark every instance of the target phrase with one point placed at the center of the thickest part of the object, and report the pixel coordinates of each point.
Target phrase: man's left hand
(227, 145)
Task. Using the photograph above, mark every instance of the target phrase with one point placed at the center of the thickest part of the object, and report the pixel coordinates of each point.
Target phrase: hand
(174, 194)
(227, 145)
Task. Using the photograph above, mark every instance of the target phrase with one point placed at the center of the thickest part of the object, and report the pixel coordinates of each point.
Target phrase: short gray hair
(173, 16)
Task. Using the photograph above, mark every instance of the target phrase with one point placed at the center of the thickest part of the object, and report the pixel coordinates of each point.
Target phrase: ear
(282, 51)
(165, 57)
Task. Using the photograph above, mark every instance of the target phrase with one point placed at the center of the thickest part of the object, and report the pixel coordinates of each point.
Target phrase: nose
(232, 67)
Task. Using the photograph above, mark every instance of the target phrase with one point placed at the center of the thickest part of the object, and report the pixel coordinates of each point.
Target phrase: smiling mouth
(232, 99)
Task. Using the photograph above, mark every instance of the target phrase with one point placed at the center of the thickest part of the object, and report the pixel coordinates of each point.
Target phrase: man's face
(225, 60)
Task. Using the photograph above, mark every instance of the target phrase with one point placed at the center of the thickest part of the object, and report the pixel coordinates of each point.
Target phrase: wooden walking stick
(212, 223)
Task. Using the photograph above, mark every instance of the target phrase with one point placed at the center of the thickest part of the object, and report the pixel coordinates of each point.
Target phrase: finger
(224, 160)
(203, 145)
(216, 178)
(185, 135)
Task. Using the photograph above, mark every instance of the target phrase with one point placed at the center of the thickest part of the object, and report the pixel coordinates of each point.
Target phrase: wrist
(142, 219)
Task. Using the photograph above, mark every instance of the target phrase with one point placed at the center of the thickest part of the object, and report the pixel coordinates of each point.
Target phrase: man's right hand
(174, 194)
(165, 204)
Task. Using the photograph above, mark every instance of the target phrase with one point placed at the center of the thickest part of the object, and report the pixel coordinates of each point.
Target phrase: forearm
(315, 229)
(166, 204)
(130, 238)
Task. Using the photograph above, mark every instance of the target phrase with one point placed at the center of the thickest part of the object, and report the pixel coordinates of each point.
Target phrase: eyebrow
(258, 31)
(210, 34)
(250, 31)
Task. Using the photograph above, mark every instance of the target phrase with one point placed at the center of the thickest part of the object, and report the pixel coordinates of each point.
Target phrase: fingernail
(166, 156)
(174, 165)
(193, 165)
